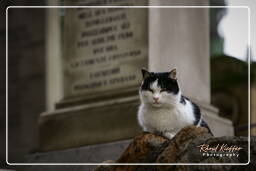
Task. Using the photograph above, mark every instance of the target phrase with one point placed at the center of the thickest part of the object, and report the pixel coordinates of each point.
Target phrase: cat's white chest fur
(167, 120)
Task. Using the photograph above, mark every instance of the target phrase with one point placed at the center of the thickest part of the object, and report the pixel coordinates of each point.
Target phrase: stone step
(88, 154)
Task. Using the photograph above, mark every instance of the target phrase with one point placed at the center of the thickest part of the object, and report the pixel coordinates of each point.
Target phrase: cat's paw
(168, 135)
(148, 130)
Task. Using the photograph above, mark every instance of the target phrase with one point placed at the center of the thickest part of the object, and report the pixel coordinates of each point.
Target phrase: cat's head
(159, 89)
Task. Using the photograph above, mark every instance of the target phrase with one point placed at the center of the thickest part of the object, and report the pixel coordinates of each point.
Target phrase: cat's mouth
(156, 104)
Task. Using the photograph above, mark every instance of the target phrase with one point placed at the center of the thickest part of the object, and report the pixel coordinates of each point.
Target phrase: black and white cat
(163, 108)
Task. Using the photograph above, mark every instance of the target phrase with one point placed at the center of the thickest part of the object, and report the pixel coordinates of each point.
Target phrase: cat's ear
(145, 73)
(173, 74)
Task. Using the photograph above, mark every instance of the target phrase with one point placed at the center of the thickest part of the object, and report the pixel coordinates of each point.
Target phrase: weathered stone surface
(144, 148)
(185, 148)
(171, 153)
(102, 122)
(104, 49)
(87, 154)
(179, 37)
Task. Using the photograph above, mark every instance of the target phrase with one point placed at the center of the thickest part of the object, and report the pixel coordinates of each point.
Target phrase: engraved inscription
(104, 48)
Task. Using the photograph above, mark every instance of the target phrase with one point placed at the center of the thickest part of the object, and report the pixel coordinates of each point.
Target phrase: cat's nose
(156, 98)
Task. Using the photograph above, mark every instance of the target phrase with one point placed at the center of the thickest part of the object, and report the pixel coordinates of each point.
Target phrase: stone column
(104, 50)
(179, 37)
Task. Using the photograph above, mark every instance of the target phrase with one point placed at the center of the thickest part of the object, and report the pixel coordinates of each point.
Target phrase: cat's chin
(157, 105)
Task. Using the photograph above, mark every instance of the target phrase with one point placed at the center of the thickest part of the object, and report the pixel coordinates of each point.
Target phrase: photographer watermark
(219, 150)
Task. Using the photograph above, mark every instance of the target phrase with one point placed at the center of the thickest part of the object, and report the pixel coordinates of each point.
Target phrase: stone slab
(87, 154)
(220, 126)
(104, 48)
(95, 123)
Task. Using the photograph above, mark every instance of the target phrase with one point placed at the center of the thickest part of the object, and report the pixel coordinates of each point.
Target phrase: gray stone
(164, 38)
(104, 48)
(179, 37)
(220, 126)
(100, 122)
(87, 154)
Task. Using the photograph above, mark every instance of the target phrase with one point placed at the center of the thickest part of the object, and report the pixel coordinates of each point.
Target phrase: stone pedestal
(94, 123)
(101, 67)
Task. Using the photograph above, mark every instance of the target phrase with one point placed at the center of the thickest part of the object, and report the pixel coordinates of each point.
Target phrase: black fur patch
(182, 100)
(197, 113)
(166, 83)
(204, 124)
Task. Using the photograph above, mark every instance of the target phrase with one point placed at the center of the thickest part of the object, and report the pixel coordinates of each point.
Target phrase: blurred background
(32, 37)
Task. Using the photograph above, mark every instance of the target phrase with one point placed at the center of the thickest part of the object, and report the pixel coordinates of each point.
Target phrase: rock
(188, 146)
(144, 148)
(179, 142)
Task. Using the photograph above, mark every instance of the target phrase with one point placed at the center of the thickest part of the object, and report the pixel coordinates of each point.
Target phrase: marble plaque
(104, 48)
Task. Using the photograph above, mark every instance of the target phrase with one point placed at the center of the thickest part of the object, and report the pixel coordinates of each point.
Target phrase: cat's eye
(163, 90)
(150, 90)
